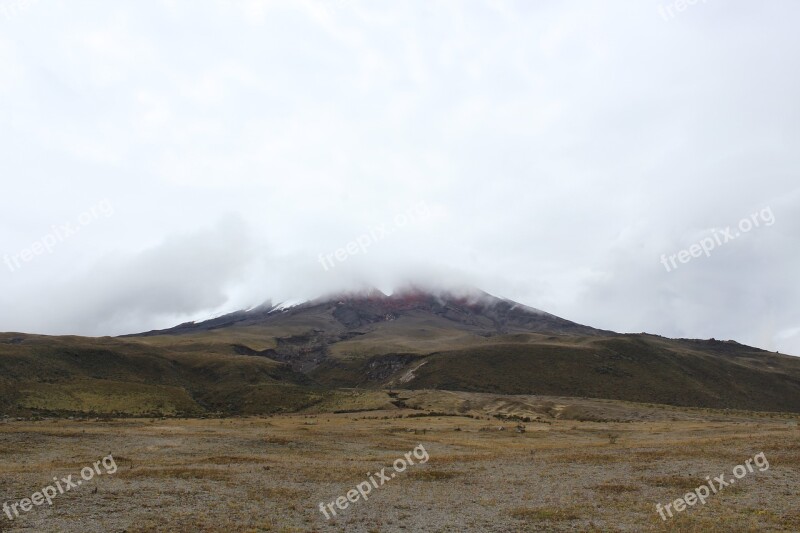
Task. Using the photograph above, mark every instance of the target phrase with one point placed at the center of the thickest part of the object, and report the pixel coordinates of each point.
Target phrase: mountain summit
(470, 310)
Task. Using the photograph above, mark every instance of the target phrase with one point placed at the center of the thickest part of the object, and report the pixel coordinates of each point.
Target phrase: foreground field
(271, 473)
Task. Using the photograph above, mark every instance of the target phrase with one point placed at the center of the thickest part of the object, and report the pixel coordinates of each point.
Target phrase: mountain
(470, 310)
(291, 357)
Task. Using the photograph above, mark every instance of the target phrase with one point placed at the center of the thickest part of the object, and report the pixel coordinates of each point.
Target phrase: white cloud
(563, 148)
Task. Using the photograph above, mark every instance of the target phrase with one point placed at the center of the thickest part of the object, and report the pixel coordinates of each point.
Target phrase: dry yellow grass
(271, 473)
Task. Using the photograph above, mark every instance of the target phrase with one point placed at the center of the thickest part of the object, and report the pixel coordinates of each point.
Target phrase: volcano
(282, 357)
(469, 310)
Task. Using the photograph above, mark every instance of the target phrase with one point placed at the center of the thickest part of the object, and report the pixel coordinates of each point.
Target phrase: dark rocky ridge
(474, 310)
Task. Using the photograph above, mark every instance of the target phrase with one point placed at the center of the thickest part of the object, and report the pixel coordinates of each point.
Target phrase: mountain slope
(285, 358)
(52, 375)
(472, 310)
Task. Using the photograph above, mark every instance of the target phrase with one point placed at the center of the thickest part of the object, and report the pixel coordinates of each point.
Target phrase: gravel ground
(271, 473)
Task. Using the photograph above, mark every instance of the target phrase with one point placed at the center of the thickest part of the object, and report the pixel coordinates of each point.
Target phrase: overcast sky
(170, 160)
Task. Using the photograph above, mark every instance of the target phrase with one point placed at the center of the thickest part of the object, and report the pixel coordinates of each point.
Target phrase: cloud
(127, 291)
(562, 148)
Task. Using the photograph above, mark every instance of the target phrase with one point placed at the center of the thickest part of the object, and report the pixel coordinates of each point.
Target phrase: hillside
(64, 375)
(276, 358)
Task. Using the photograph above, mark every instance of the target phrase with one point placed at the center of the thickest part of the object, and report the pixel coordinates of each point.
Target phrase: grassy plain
(579, 465)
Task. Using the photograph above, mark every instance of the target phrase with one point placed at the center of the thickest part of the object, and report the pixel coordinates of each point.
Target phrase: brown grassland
(579, 465)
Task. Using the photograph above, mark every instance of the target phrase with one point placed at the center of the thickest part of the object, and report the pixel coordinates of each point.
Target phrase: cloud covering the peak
(560, 151)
